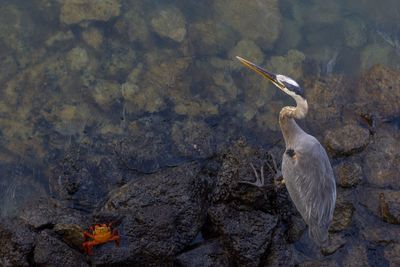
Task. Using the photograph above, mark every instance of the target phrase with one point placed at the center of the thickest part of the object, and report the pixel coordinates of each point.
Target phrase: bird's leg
(259, 179)
(278, 179)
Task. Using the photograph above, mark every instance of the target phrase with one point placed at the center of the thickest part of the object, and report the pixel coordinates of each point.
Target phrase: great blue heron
(306, 169)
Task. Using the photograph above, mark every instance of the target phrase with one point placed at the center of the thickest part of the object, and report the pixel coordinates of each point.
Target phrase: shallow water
(157, 83)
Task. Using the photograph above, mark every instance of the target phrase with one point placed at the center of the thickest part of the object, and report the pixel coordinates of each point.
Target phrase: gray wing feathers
(311, 185)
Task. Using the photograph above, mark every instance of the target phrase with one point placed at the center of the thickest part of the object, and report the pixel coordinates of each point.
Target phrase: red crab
(100, 234)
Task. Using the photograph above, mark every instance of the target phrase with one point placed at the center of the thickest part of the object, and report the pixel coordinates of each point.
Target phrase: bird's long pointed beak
(266, 74)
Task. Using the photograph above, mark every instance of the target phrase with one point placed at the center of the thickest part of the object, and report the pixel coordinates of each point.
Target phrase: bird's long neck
(287, 116)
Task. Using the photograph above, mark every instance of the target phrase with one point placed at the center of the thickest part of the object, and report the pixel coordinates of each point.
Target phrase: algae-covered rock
(76, 11)
(257, 21)
(355, 32)
(93, 37)
(247, 49)
(106, 92)
(77, 58)
(169, 23)
(289, 64)
(376, 91)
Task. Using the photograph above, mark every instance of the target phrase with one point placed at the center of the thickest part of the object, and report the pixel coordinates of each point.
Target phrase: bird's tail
(318, 234)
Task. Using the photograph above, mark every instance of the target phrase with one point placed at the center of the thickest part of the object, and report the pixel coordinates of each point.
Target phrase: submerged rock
(348, 140)
(251, 20)
(376, 91)
(169, 23)
(289, 64)
(76, 11)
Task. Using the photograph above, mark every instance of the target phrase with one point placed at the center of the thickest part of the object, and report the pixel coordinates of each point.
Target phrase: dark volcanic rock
(209, 254)
(280, 253)
(382, 203)
(236, 167)
(49, 251)
(356, 257)
(163, 213)
(392, 254)
(245, 234)
(47, 212)
(348, 174)
(16, 243)
(347, 140)
(319, 263)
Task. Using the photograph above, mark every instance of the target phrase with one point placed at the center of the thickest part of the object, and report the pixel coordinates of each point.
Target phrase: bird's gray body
(310, 182)
(306, 168)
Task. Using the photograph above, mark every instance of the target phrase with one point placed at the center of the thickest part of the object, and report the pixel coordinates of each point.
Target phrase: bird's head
(286, 84)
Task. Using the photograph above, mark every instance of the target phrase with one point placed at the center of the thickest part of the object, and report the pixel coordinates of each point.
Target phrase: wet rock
(76, 11)
(289, 64)
(162, 213)
(245, 234)
(279, 253)
(382, 159)
(356, 257)
(72, 234)
(256, 24)
(347, 140)
(376, 92)
(348, 174)
(49, 251)
(47, 212)
(169, 23)
(392, 254)
(335, 242)
(16, 243)
(342, 217)
(206, 255)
